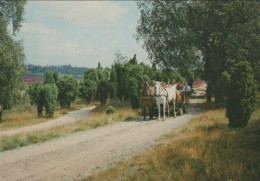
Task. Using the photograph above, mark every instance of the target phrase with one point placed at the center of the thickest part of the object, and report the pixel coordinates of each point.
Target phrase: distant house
(198, 83)
(31, 80)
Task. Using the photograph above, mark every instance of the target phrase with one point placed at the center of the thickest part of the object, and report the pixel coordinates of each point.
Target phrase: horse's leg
(174, 112)
(144, 113)
(181, 109)
(169, 114)
(158, 106)
(164, 104)
(151, 107)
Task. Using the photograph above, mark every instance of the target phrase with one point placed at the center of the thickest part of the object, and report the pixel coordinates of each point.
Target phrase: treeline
(40, 71)
(122, 82)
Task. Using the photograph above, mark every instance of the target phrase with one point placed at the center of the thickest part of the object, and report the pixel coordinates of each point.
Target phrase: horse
(148, 99)
(148, 102)
(161, 96)
(172, 95)
(179, 102)
(148, 90)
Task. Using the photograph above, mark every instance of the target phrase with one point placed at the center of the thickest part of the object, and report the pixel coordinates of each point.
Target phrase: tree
(113, 90)
(217, 28)
(56, 76)
(49, 78)
(44, 95)
(36, 93)
(133, 60)
(201, 36)
(162, 26)
(122, 72)
(242, 95)
(89, 85)
(135, 85)
(11, 51)
(99, 66)
(50, 99)
(67, 90)
(103, 87)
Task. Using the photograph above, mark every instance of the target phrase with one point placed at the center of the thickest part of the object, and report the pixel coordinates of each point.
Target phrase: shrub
(44, 95)
(110, 109)
(241, 95)
(68, 90)
(103, 91)
(49, 79)
(50, 96)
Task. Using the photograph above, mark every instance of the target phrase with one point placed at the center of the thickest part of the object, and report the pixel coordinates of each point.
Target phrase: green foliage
(56, 76)
(11, 52)
(40, 71)
(50, 99)
(133, 60)
(122, 72)
(67, 90)
(49, 78)
(44, 95)
(113, 84)
(91, 88)
(242, 95)
(88, 88)
(103, 90)
(91, 74)
(203, 37)
(135, 85)
(110, 109)
(36, 93)
(12, 12)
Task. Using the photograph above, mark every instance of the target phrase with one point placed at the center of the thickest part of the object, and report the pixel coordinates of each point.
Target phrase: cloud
(47, 46)
(85, 13)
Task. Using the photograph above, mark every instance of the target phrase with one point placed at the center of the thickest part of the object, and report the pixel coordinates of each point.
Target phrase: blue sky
(80, 33)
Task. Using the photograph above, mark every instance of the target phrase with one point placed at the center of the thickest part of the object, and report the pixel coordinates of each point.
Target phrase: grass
(96, 119)
(204, 149)
(26, 115)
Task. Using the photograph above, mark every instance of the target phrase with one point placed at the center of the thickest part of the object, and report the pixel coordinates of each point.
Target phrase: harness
(161, 89)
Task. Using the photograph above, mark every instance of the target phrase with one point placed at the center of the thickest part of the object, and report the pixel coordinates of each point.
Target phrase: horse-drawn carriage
(169, 97)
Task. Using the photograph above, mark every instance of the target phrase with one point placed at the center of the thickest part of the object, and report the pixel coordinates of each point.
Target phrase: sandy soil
(71, 117)
(75, 156)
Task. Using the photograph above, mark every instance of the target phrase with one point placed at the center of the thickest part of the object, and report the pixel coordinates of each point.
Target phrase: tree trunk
(219, 98)
(209, 92)
(1, 111)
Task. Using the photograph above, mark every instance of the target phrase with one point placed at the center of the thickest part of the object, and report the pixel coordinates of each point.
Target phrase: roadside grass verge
(96, 119)
(204, 149)
(26, 115)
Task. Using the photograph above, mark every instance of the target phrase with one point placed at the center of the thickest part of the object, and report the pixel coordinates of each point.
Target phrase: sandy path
(71, 117)
(77, 155)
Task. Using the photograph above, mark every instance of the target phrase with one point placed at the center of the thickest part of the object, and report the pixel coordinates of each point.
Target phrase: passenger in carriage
(186, 87)
(164, 85)
(173, 82)
(180, 86)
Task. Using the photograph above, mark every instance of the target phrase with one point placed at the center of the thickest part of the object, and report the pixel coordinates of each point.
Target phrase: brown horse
(148, 99)
(148, 102)
(179, 102)
(147, 89)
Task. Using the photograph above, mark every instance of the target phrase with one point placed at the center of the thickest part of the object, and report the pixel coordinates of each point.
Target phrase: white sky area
(80, 33)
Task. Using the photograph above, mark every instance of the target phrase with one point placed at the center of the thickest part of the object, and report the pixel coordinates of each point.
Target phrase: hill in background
(40, 71)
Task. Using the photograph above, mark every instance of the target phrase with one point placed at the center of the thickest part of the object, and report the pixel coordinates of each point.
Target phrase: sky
(80, 33)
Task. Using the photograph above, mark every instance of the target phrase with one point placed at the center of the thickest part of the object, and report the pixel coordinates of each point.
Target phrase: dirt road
(75, 156)
(69, 118)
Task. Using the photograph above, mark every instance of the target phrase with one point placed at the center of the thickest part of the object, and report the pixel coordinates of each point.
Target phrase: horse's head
(145, 87)
(157, 88)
